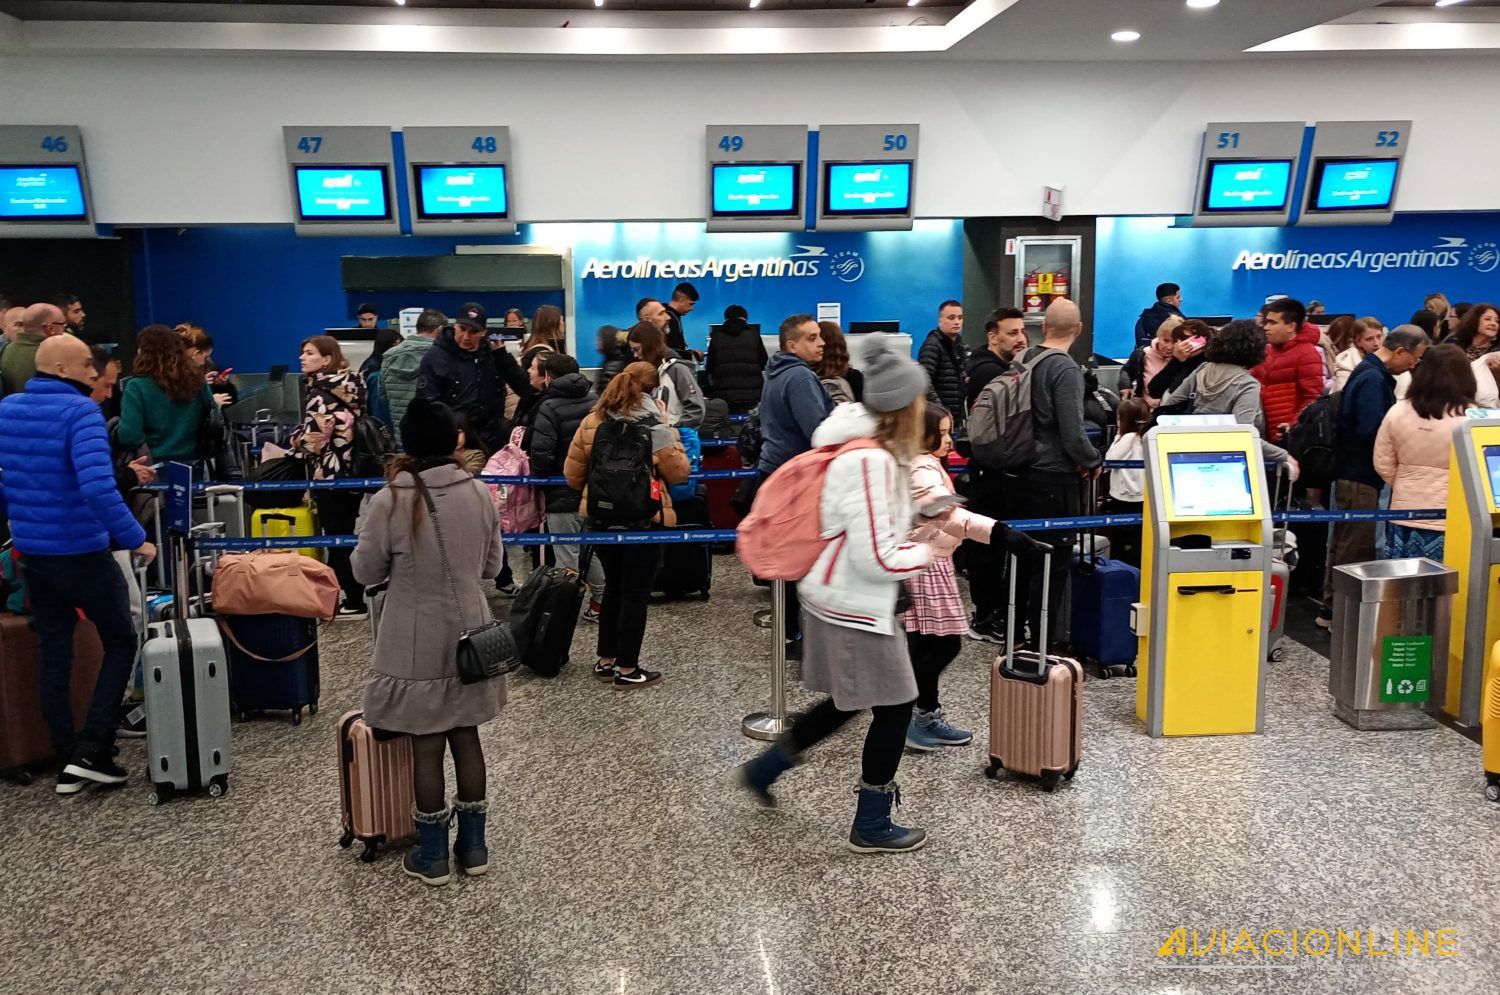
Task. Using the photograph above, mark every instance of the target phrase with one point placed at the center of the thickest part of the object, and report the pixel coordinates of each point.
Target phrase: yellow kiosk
(1205, 610)
(1471, 548)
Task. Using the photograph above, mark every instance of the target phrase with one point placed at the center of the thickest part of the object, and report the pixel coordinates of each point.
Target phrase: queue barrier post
(769, 725)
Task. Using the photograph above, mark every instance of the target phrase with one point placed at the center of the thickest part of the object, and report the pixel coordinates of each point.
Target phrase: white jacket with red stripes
(866, 514)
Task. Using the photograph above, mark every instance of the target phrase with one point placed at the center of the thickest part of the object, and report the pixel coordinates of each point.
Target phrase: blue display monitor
(457, 193)
(757, 189)
(42, 193)
(1250, 186)
(337, 193)
(1354, 184)
(1210, 485)
(1492, 466)
(858, 189)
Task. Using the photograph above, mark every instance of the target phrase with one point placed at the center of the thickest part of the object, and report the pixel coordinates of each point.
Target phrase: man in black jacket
(684, 299)
(567, 398)
(462, 373)
(1168, 303)
(942, 356)
(736, 364)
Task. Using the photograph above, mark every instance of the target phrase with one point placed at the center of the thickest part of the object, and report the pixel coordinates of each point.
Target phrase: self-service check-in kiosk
(1205, 613)
(1471, 548)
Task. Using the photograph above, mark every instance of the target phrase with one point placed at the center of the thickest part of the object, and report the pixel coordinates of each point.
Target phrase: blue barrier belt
(376, 483)
(1070, 524)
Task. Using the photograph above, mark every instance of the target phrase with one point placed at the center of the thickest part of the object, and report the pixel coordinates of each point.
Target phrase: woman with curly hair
(165, 402)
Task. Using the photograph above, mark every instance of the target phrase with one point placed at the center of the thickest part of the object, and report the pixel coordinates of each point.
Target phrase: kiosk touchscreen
(1472, 548)
(1205, 614)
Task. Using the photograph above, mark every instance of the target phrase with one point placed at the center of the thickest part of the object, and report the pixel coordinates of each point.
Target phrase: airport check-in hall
(749, 497)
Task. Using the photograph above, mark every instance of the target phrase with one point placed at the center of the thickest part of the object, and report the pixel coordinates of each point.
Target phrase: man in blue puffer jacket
(57, 487)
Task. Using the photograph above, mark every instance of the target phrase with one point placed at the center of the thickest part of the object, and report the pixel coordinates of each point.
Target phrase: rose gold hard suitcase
(25, 742)
(375, 786)
(1036, 704)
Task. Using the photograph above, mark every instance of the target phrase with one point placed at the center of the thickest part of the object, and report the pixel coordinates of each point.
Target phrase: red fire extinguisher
(1030, 286)
(1060, 283)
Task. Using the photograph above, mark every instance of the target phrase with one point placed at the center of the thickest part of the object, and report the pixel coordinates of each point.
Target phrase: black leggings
(427, 767)
(883, 743)
(338, 512)
(930, 656)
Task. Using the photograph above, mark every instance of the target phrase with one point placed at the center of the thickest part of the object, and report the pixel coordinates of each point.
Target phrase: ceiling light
(400, 3)
(754, 4)
(1202, 4)
(1126, 35)
(598, 3)
(1447, 3)
(912, 3)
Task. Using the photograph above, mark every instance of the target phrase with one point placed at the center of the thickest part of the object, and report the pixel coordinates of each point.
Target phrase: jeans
(883, 743)
(338, 512)
(1353, 542)
(1044, 494)
(60, 587)
(567, 556)
(629, 573)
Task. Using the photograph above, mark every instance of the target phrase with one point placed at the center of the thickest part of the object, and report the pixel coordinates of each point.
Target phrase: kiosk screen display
(1355, 184)
(1492, 466)
(757, 189)
(328, 192)
(41, 193)
(1243, 185)
(859, 188)
(1210, 485)
(460, 192)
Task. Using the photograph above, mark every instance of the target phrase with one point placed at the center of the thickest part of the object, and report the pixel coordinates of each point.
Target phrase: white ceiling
(661, 30)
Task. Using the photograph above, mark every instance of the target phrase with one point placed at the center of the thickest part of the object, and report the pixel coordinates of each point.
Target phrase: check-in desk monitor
(1205, 609)
(1472, 548)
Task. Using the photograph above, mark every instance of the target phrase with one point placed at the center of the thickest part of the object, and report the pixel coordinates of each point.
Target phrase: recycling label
(1405, 668)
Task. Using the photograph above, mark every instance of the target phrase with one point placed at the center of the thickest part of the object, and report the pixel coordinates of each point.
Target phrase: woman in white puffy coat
(853, 649)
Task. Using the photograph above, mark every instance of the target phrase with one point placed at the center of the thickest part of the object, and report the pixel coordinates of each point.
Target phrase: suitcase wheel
(1492, 791)
(1050, 780)
(297, 717)
(370, 852)
(218, 787)
(1277, 655)
(347, 840)
(993, 768)
(312, 709)
(159, 795)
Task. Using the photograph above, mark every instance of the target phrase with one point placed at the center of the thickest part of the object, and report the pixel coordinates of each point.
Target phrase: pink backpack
(779, 539)
(519, 505)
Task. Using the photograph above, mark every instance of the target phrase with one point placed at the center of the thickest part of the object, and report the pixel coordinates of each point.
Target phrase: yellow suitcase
(277, 523)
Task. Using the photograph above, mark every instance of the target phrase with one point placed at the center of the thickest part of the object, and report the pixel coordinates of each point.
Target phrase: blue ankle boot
(873, 831)
(428, 860)
(469, 851)
(760, 773)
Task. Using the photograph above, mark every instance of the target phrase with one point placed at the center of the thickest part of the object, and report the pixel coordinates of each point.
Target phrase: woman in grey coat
(414, 686)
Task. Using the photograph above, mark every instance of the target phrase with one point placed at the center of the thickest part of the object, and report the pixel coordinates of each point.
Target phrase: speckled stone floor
(624, 862)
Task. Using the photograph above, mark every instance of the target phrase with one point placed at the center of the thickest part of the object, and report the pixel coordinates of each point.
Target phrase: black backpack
(373, 446)
(623, 489)
(1314, 440)
(750, 439)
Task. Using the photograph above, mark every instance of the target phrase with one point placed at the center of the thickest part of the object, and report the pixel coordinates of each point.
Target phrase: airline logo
(1250, 175)
(345, 182)
(808, 261)
(1447, 254)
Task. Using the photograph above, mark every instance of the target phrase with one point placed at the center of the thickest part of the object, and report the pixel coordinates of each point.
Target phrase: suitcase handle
(1010, 615)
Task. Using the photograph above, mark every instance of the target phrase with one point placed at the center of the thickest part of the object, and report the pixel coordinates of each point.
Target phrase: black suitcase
(687, 568)
(273, 663)
(544, 615)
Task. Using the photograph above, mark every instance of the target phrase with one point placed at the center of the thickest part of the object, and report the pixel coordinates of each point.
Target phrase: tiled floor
(623, 861)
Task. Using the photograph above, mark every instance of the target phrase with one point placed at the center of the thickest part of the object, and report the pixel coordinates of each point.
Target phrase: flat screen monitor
(1247, 185)
(1492, 467)
(1327, 318)
(1212, 320)
(859, 189)
(459, 193)
(865, 327)
(1210, 485)
(42, 193)
(1354, 184)
(329, 193)
(757, 189)
(752, 327)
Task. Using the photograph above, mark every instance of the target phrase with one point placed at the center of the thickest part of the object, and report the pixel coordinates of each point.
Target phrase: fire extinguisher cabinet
(1046, 270)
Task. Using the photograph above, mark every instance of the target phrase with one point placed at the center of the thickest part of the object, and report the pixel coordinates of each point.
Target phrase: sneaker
(351, 612)
(591, 613)
(637, 678)
(604, 671)
(133, 725)
(98, 771)
(1325, 618)
(935, 724)
(70, 784)
(920, 738)
(507, 590)
(988, 629)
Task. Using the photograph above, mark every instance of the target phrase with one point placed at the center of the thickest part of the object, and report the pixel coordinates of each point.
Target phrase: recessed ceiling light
(400, 3)
(598, 3)
(1447, 3)
(754, 4)
(1202, 4)
(912, 3)
(1126, 36)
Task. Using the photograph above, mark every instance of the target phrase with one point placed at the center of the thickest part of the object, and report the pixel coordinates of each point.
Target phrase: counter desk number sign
(180, 497)
(1405, 668)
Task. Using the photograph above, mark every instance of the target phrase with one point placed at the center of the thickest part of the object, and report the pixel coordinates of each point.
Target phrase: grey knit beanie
(892, 380)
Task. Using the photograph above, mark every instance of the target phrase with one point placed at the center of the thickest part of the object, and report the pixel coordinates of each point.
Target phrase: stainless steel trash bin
(1389, 658)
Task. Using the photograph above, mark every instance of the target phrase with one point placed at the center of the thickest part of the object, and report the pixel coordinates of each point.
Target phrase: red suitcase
(1036, 705)
(721, 513)
(375, 786)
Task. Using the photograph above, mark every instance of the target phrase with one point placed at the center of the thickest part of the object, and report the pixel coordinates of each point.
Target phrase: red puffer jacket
(1291, 378)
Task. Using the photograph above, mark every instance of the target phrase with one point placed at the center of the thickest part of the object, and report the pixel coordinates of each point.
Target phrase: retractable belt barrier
(376, 483)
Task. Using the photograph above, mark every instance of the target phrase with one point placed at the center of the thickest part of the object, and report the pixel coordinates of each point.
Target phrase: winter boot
(469, 850)
(428, 860)
(873, 831)
(760, 773)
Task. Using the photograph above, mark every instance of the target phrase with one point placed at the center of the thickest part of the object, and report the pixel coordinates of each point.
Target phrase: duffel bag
(275, 583)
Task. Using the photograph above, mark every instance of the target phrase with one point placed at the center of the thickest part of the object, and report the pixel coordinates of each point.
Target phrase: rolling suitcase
(1036, 705)
(687, 568)
(25, 742)
(279, 523)
(225, 503)
(273, 663)
(545, 615)
(1283, 559)
(186, 674)
(1103, 592)
(721, 513)
(375, 786)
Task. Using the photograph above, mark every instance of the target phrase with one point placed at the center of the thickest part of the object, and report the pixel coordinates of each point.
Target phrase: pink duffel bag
(275, 583)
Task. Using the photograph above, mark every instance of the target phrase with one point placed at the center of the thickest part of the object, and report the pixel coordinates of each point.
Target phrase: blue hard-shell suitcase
(1103, 592)
(273, 663)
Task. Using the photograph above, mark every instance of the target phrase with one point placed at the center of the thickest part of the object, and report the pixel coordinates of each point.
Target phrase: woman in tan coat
(414, 685)
(629, 569)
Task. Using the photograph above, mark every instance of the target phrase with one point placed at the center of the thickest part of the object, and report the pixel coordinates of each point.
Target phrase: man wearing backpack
(1052, 484)
(1369, 394)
